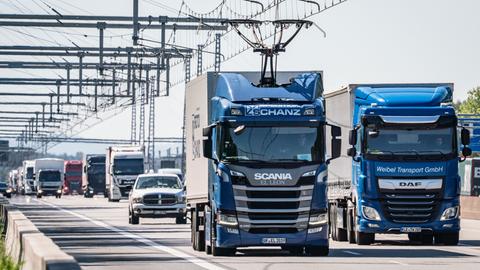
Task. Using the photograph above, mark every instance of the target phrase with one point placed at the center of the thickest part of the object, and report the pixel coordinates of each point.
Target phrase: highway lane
(98, 235)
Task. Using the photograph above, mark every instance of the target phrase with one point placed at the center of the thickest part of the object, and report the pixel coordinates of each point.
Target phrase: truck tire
(224, 252)
(423, 238)
(341, 235)
(351, 228)
(294, 250)
(317, 250)
(198, 237)
(364, 239)
(39, 196)
(448, 239)
(181, 220)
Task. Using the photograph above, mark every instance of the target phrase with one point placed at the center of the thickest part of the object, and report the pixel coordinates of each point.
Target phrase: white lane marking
(397, 262)
(174, 252)
(353, 253)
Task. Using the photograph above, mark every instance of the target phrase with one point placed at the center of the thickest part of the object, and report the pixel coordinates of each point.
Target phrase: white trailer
(49, 176)
(122, 166)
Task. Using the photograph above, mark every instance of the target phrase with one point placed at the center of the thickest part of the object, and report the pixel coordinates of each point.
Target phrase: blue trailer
(256, 162)
(400, 172)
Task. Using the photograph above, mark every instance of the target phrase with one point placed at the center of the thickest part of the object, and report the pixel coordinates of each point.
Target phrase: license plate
(411, 229)
(159, 212)
(274, 240)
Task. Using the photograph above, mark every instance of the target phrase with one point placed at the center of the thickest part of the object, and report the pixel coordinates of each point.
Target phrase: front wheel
(39, 196)
(317, 250)
(217, 251)
(364, 238)
(448, 239)
(133, 218)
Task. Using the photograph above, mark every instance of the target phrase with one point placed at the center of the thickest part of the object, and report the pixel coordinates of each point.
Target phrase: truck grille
(273, 209)
(411, 207)
(153, 199)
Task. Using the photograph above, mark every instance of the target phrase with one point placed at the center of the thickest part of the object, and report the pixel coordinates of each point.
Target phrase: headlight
(370, 213)
(236, 112)
(309, 112)
(59, 191)
(137, 200)
(317, 219)
(450, 213)
(181, 199)
(227, 220)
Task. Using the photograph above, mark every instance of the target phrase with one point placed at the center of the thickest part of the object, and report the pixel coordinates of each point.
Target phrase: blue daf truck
(399, 173)
(256, 162)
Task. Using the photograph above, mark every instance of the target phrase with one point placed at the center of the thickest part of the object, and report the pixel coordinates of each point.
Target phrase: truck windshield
(128, 166)
(96, 169)
(29, 173)
(73, 173)
(410, 141)
(273, 144)
(49, 176)
(158, 182)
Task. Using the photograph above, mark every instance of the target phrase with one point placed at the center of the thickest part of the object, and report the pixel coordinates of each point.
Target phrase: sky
(367, 41)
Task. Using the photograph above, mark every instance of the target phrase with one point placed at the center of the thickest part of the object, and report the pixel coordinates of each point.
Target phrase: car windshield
(130, 166)
(273, 144)
(158, 182)
(410, 141)
(49, 176)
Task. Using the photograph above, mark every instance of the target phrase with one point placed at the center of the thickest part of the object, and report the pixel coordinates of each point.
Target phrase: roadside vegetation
(6, 262)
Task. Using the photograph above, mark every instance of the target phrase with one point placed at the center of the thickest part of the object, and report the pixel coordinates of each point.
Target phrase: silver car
(157, 195)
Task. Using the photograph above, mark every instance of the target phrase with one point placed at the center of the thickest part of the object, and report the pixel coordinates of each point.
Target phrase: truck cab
(93, 176)
(49, 176)
(123, 165)
(28, 178)
(404, 164)
(264, 183)
(73, 177)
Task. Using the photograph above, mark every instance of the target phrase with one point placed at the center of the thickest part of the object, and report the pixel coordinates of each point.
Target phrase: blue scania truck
(256, 162)
(399, 173)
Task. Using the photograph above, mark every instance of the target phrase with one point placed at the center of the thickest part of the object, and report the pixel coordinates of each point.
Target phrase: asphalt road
(98, 235)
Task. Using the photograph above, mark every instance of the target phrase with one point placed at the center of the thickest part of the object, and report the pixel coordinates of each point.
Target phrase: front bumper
(387, 226)
(159, 211)
(229, 237)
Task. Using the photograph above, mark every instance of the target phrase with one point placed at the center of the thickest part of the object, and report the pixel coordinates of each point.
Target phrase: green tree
(472, 103)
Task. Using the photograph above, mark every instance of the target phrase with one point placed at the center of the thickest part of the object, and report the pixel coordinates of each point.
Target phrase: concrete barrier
(27, 245)
(470, 207)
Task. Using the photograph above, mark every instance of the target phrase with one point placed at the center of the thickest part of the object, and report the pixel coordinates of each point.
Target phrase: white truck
(27, 183)
(122, 166)
(49, 176)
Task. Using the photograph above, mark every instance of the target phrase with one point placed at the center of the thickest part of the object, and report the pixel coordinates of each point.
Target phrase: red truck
(73, 177)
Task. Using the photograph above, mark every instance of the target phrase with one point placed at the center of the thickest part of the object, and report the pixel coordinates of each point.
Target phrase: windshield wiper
(289, 160)
(435, 151)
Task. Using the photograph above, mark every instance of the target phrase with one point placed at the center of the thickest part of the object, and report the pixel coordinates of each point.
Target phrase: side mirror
(352, 152)
(335, 131)
(336, 143)
(336, 148)
(465, 136)
(466, 151)
(207, 131)
(352, 137)
(207, 148)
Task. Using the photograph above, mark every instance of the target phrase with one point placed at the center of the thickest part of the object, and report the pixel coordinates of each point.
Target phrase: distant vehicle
(122, 166)
(73, 177)
(175, 171)
(27, 183)
(13, 178)
(157, 196)
(93, 176)
(5, 190)
(49, 176)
